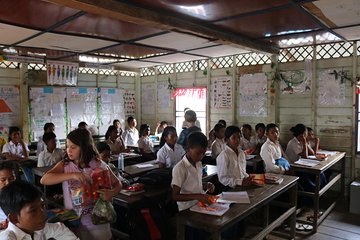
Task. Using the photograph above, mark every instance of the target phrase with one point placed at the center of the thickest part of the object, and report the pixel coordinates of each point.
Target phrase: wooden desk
(129, 159)
(339, 158)
(259, 197)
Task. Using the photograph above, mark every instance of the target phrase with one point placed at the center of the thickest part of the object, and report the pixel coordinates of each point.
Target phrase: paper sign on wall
(331, 90)
(163, 97)
(148, 98)
(221, 93)
(129, 103)
(9, 106)
(62, 73)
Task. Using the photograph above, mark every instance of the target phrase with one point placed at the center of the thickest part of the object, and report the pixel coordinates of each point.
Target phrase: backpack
(160, 177)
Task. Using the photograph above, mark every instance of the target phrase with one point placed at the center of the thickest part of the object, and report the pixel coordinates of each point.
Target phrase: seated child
(313, 142)
(212, 132)
(170, 152)
(146, 147)
(115, 141)
(272, 153)
(259, 139)
(190, 118)
(16, 148)
(231, 162)
(50, 155)
(131, 135)
(105, 155)
(219, 144)
(245, 143)
(8, 172)
(48, 127)
(160, 128)
(117, 125)
(22, 203)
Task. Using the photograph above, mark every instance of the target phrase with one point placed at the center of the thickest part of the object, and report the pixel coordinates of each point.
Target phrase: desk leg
(266, 216)
(316, 203)
(180, 228)
(342, 187)
(293, 201)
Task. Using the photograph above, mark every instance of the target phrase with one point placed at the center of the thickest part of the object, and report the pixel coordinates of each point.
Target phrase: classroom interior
(247, 62)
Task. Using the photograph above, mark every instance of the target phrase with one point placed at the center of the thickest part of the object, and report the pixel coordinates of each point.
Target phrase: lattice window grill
(107, 72)
(296, 54)
(37, 66)
(201, 65)
(184, 67)
(127, 74)
(165, 69)
(334, 50)
(6, 64)
(88, 70)
(147, 71)
(247, 59)
(221, 62)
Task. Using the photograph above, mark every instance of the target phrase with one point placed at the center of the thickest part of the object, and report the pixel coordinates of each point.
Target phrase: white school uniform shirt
(217, 147)
(270, 152)
(245, 144)
(293, 149)
(16, 150)
(231, 167)
(189, 179)
(3, 216)
(170, 157)
(56, 231)
(145, 144)
(47, 158)
(41, 145)
(255, 140)
(131, 137)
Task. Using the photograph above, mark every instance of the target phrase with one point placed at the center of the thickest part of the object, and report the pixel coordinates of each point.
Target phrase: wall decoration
(62, 73)
(163, 96)
(331, 88)
(199, 92)
(129, 102)
(10, 106)
(148, 98)
(253, 95)
(221, 93)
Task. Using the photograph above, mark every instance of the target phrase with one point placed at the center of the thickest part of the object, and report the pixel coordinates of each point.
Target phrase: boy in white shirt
(131, 135)
(16, 148)
(22, 203)
(8, 171)
(260, 138)
(170, 153)
(219, 144)
(48, 127)
(245, 144)
(146, 147)
(51, 154)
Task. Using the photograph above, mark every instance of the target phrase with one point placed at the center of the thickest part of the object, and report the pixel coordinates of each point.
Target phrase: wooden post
(208, 86)
(354, 115)
(234, 87)
(24, 102)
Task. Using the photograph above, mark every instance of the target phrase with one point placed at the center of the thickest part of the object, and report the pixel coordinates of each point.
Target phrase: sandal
(307, 227)
(299, 227)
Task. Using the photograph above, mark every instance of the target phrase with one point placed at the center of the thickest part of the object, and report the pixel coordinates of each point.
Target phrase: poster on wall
(221, 93)
(253, 95)
(111, 106)
(9, 106)
(331, 88)
(164, 95)
(296, 82)
(129, 103)
(62, 73)
(82, 107)
(148, 98)
(47, 104)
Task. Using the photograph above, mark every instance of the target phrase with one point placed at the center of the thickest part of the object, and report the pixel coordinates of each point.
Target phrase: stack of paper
(234, 197)
(216, 209)
(273, 178)
(144, 165)
(307, 162)
(328, 153)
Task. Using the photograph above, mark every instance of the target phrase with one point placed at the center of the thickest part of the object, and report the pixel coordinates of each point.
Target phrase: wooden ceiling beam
(150, 18)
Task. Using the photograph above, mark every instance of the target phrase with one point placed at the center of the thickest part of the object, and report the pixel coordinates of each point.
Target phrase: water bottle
(121, 162)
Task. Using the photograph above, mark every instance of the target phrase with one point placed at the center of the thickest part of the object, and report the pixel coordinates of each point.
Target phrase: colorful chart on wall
(62, 73)
(253, 95)
(331, 89)
(148, 98)
(111, 106)
(82, 106)
(163, 96)
(221, 93)
(129, 102)
(9, 106)
(47, 105)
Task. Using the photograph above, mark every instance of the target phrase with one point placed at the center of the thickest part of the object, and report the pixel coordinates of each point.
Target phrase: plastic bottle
(121, 162)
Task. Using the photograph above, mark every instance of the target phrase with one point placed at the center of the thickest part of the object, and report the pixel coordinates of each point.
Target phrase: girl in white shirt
(313, 142)
(16, 148)
(231, 162)
(219, 144)
(146, 147)
(170, 152)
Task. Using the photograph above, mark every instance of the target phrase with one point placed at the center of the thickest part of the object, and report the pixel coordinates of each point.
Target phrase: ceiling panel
(11, 34)
(177, 41)
(218, 51)
(273, 23)
(33, 13)
(66, 43)
(94, 25)
(352, 33)
(135, 64)
(209, 10)
(174, 58)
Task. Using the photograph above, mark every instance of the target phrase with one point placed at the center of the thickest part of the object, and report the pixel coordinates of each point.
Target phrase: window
(193, 98)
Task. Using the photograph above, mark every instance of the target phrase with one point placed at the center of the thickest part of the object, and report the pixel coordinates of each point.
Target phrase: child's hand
(206, 200)
(82, 177)
(247, 181)
(210, 188)
(107, 194)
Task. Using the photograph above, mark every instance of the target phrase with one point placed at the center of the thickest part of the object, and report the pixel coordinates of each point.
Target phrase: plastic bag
(103, 212)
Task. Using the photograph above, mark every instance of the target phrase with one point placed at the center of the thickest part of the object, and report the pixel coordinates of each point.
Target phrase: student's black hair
(248, 126)
(16, 195)
(298, 129)
(217, 128)
(230, 130)
(166, 132)
(115, 121)
(143, 127)
(9, 165)
(270, 126)
(102, 147)
(196, 139)
(48, 136)
(309, 129)
(162, 123)
(48, 125)
(129, 119)
(82, 124)
(186, 109)
(190, 116)
(12, 130)
(259, 125)
(223, 122)
(110, 129)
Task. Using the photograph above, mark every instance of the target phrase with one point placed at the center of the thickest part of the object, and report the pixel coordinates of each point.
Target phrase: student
(313, 142)
(259, 139)
(297, 147)
(117, 124)
(212, 133)
(186, 123)
(48, 127)
(219, 144)
(187, 187)
(271, 152)
(22, 203)
(83, 125)
(131, 135)
(160, 128)
(170, 152)
(105, 155)
(16, 148)
(114, 141)
(190, 117)
(231, 162)
(146, 147)
(81, 159)
(245, 143)
(8, 172)
(51, 154)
